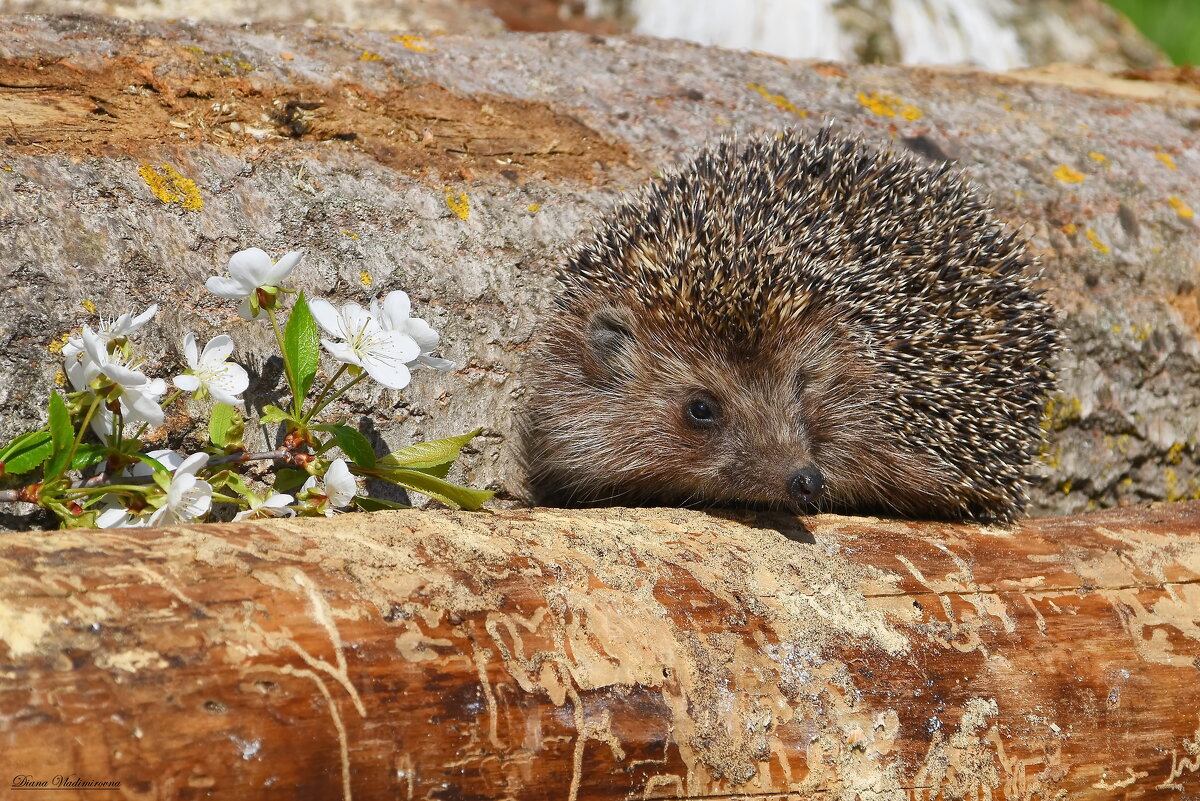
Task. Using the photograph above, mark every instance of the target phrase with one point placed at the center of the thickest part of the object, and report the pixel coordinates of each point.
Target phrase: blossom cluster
(119, 485)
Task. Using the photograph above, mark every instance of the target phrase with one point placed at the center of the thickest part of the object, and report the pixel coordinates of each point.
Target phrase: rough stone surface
(424, 16)
(460, 168)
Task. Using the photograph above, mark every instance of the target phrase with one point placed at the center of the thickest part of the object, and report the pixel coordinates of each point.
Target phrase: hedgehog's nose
(806, 484)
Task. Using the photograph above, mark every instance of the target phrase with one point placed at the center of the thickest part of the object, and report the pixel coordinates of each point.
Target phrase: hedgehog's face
(635, 412)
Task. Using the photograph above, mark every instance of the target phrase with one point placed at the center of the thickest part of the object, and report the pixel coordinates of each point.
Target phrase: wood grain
(607, 654)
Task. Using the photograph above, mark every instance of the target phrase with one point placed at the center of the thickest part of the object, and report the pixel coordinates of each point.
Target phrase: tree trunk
(608, 654)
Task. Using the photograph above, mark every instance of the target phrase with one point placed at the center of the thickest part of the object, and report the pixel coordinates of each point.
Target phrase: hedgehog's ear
(610, 336)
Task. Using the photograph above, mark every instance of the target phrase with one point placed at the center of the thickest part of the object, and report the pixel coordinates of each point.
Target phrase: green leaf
(301, 350)
(355, 445)
(428, 456)
(436, 488)
(225, 426)
(273, 414)
(288, 479)
(369, 504)
(88, 454)
(62, 435)
(25, 452)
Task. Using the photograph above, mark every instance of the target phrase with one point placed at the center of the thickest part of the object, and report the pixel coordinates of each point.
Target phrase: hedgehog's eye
(701, 412)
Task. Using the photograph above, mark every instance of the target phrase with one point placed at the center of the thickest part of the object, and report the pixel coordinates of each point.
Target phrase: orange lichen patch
(459, 203)
(1098, 157)
(367, 55)
(1181, 208)
(1069, 229)
(1068, 175)
(415, 43)
(287, 56)
(420, 130)
(170, 187)
(1097, 243)
(1188, 306)
(779, 100)
(1166, 159)
(889, 106)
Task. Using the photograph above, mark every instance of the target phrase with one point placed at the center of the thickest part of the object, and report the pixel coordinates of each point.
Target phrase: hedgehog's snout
(806, 485)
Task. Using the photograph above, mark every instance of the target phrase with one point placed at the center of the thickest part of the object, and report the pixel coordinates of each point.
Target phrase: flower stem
(317, 409)
(289, 369)
(83, 427)
(324, 391)
(172, 398)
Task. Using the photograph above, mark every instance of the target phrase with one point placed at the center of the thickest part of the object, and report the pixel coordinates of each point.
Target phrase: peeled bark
(609, 655)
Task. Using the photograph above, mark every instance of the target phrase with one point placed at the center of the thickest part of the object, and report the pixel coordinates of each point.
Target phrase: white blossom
(139, 394)
(210, 372)
(274, 506)
(125, 324)
(384, 353)
(248, 270)
(188, 498)
(394, 316)
(339, 487)
(120, 517)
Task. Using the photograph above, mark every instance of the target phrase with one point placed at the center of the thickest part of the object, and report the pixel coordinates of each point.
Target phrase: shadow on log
(608, 654)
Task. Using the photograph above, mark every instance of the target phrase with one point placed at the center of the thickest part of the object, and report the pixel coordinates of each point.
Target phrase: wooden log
(608, 654)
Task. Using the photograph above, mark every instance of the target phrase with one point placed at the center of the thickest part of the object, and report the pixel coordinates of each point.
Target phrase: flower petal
(396, 308)
(253, 266)
(421, 331)
(325, 315)
(218, 349)
(390, 374)
(340, 486)
(228, 288)
(281, 269)
(186, 382)
(190, 354)
(341, 352)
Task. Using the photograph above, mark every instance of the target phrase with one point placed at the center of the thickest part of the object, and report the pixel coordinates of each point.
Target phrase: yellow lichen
(365, 277)
(1095, 240)
(1173, 488)
(458, 203)
(1098, 157)
(89, 306)
(416, 43)
(1065, 487)
(170, 187)
(779, 100)
(534, 208)
(721, 120)
(1166, 159)
(1181, 208)
(367, 55)
(1175, 453)
(1068, 175)
(888, 106)
(1060, 411)
(1069, 229)
(58, 343)
(349, 233)
(6, 168)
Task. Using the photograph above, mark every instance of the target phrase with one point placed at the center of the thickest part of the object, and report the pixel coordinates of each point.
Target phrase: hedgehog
(795, 322)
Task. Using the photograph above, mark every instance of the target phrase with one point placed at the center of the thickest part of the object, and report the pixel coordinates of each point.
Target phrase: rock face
(397, 16)
(136, 157)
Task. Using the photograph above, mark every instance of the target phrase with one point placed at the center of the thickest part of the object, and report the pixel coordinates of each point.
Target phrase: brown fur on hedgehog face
(770, 415)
